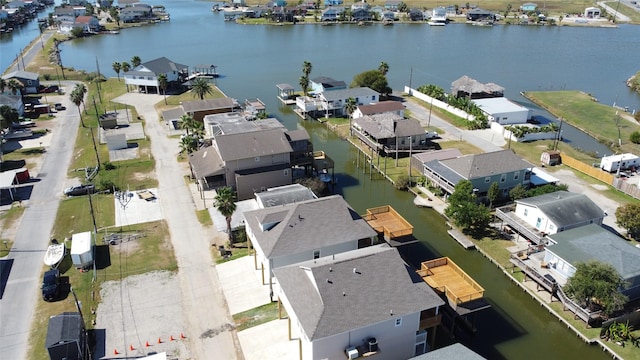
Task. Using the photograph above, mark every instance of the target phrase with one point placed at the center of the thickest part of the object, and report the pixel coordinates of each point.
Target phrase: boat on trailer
(54, 255)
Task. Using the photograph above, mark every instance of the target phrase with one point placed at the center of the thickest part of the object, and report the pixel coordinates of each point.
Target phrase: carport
(8, 181)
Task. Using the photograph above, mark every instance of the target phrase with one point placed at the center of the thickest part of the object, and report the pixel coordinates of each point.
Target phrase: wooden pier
(461, 238)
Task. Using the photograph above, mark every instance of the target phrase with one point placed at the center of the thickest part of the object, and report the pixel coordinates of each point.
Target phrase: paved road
(619, 16)
(21, 293)
(210, 334)
(31, 52)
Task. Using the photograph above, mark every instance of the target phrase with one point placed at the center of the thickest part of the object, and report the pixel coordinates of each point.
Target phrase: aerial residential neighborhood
(147, 214)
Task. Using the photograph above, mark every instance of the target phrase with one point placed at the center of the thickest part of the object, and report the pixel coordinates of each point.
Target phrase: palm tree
(350, 106)
(383, 68)
(125, 66)
(201, 87)
(306, 68)
(3, 85)
(117, 67)
(187, 122)
(224, 202)
(135, 61)
(77, 98)
(162, 83)
(188, 144)
(15, 86)
(82, 90)
(304, 83)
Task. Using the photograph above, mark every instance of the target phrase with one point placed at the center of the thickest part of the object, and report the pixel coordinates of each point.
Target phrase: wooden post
(300, 347)
(289, 323)
(371, 165)
(262, 270)
(255, 260)
(279, 309)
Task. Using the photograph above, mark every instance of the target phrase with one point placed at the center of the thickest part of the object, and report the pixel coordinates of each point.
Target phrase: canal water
(252, 59)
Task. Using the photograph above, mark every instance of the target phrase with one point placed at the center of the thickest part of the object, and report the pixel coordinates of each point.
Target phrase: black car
(51, 285)
(550, 278)
(50, 89)
(80, 190)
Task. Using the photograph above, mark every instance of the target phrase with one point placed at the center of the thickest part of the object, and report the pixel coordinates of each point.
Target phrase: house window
(257, 158)
(286, 172)
(516, 175)
(503, 178)
(28, 82)
(149, 77)
(487, 179)
(538, 223)
(316, 254)
(398, 322)
(373, 98)
(551, 227)
(526, 212)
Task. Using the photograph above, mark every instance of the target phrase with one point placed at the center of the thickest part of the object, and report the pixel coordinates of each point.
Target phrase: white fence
(439, 104)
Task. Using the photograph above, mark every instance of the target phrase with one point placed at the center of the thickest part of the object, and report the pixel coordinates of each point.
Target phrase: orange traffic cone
(159, 341)
(147, 344)
(131, 347)
(182, 336)
(171, 338)
(115, 352)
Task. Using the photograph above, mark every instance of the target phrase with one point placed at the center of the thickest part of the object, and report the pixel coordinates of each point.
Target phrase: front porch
(508, 216)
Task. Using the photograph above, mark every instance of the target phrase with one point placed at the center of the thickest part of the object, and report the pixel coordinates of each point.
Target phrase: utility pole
(410, 79)
(95, 148)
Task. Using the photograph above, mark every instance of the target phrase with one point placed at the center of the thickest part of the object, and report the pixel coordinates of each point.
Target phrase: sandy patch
(138, 310)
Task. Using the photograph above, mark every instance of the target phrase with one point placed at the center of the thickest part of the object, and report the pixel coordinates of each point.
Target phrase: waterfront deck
(385, 220)
(461, 238)
(444, 276)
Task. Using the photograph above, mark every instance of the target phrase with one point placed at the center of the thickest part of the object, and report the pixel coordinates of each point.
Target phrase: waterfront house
(382, 107)
(65, 13)
(527, 7)
(592, 13)
(473, 89)
(416, 15)
(390, 133)
(88, 24)
(454, 351)
(360, 14)
(198, 109)
(480, 15)
(392, 5)
(332, 2)
(306, 230)
(366, 302)
(503, 111)
(333, 102)
(146, 74)
(136, 12)
(593, 242)
(503, 167)
(324, 83)
(30, 80)
(558, 211)
(332, 13)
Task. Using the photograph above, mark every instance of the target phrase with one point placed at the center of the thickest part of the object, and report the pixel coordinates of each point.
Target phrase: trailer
(621, 161)
(82, 249)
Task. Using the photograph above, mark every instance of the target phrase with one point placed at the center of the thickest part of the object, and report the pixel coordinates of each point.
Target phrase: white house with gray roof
(306, 230)
(146, 74)
(365, 302)
(333, 102)
(558, 211)
(593, 242)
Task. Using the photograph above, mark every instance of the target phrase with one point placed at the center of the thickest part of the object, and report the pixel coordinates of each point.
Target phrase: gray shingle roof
(210, 104)
(353, 290)
(381, 107)
(565, 208)
(455, 351)
(592, 242)
(328, 82)
(63, 328)
(161, 66)
(21, 74)
(389, 125)
(297, 135)
(206, 162)
(308, 225)
(487, 164)
(172, 114)
(252, 144)
(428, 156)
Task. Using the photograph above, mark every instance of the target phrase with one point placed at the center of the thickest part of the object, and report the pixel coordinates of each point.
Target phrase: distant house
(358, 303)
(503, 111)
(136, 13)
(324, 83)
(14, 101)
(146, 74)
(388, 15)
(503, 167)
(332, 13)
(389, 133)
(416, 15)
(332, 2)
(334, 101)
(305, 230)
(382, 107)
(66, 337)
(473, 89)
(592, 13)
(392, 5)
(592, 242)
(30, 80)
(360, 14)
(65, 13)
(478, 14)
(88, 24)
(526, 7)
(558, 211)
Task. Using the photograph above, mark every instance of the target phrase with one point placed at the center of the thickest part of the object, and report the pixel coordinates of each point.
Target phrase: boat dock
(286, 94)
(461, 238)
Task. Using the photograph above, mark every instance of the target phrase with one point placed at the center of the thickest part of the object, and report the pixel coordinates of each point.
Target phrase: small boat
(54, 255)
(438, 17)
(324, 176)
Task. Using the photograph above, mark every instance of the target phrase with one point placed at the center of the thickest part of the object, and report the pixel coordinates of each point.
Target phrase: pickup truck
(431, 134)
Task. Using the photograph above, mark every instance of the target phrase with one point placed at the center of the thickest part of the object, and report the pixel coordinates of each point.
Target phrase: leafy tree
(493, 193)
(402, 7)
(163, 83)
(135, 61)
(628, 216)
(546, 189)
(187, 122)
(201, 87)
(125, 66)
(225, 204)
(383, 68)
(464, 209)
(596, 283)
(403, 182)
(188, 144)
(374, 80)
(518, 192)
(434, 91)
(8, 116)
(635, 137)
(113, 12)
(77, 32)
(117, 67)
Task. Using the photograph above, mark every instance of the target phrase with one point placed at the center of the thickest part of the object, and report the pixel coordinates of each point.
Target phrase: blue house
(332, 2)
(526, 7)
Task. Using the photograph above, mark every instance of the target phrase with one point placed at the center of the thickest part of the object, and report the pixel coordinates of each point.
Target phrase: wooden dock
(445, 276)
(461, 238)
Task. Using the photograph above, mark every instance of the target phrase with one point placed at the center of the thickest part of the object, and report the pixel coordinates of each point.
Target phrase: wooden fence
(594, 172)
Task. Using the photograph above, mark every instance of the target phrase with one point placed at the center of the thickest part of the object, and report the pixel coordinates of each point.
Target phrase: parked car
(80, 190)
(50, 89)
(51, 285)
(550, 278)
(59, 107)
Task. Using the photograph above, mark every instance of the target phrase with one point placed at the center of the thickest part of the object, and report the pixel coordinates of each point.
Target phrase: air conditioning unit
(352, 353)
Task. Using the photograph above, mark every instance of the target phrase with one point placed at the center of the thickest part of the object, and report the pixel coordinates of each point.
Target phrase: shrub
(403, 182)
(108, 165)
(109, 185)
(635, 137)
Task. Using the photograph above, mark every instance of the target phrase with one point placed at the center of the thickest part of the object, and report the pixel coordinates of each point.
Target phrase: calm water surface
(253, 59)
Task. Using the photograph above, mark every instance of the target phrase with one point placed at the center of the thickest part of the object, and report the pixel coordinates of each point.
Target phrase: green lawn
(256, 316)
